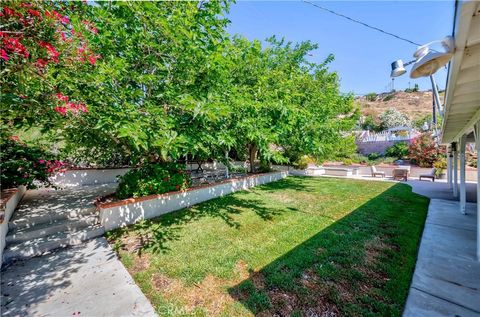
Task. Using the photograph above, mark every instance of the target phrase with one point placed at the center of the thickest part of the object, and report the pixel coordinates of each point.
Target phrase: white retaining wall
(10, 206)
(92, 176)
(124, 213)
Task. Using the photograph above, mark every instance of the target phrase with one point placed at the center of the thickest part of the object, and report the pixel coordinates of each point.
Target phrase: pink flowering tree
(44, 45)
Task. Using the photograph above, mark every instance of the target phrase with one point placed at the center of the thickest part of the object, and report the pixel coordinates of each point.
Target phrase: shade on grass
(300, 246)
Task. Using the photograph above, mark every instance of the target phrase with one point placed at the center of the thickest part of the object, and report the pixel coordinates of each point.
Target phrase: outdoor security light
(397, 69)
(429, 64)
(426, 64)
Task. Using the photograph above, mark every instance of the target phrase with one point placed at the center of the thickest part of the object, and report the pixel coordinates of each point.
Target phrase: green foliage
(389, 160)
(374, 156)
(25, 165)
(371, 96)
(359, 158)
(153, 179)
(399, 150)
(388, 97)
(305, 161)
(171, 83)
(371, 123)
(428, 119)
(473, 163)
(265, 167)
(414, 89)
(440, 165)
(347, 161)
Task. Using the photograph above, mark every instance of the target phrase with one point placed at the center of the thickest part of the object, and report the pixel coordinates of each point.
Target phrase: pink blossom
(61, 110)
(92, 59)
(4, 55)
(62, 97)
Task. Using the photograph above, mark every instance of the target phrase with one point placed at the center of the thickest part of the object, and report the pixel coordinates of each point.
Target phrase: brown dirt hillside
(415, 105)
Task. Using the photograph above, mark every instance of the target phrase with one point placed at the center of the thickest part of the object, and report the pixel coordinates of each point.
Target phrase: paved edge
(85, 280)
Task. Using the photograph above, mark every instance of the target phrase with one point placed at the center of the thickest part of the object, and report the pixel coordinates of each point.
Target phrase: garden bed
(299, 246)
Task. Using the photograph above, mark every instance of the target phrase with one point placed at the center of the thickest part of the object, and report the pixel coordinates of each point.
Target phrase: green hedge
(151, 179)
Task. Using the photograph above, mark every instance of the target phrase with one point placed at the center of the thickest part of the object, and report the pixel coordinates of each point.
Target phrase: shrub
(389, 160)
(303, 162)
(473, 163)
(398, 150)
(371, 96)
(414, 89)
(389, 97)
(347, 161)
(25, 165)
(440, 166)
(370, 123)
(265, 167)
(374, 156)
(359, 158)
(153, 179)
(423, 150)
(393, 118)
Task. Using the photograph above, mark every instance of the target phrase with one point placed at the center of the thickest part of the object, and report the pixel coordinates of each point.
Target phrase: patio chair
(375, 172)
(430, 175)
(401, 173)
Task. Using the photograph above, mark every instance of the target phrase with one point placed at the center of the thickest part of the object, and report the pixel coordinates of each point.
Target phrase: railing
(368, 136)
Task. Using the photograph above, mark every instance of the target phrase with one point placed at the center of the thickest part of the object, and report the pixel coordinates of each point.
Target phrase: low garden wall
(121, 213)
(97, 176)
(9, 201)
(380, 147)
(89, 176)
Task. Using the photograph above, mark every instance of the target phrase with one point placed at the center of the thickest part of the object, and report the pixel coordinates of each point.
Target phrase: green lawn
(300, 247)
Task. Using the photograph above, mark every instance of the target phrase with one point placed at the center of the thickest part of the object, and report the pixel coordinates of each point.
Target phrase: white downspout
(463, 191)
(477, 148)
(455, 171)
(449, 167)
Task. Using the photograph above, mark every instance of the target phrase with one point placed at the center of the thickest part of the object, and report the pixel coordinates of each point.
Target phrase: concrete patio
(446, 281)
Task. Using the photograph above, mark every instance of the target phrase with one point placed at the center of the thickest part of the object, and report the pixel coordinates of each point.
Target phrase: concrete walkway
(81, 280)
(446, 281)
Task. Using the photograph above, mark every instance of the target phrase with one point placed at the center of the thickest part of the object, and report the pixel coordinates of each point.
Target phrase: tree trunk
(252, 150)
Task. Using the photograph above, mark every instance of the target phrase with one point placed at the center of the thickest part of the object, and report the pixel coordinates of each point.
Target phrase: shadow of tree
(30, 282)
(155, 234)
(361, 265)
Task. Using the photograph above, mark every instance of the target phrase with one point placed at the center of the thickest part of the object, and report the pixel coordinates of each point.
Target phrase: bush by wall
(398, 150)
(304, 161)
(153, 179)
(25, 165)
(423, 151)
(373, 156)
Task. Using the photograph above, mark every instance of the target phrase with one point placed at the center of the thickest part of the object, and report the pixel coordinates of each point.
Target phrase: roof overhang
(462, 99)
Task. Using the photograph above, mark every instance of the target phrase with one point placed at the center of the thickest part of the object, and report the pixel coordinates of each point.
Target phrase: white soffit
(462, 100)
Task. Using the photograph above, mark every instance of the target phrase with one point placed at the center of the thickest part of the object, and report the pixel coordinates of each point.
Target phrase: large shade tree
(284, 106)
(132, 82)
(157, 94)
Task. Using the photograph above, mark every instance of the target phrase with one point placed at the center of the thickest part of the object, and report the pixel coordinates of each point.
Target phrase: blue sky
(362, 55)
